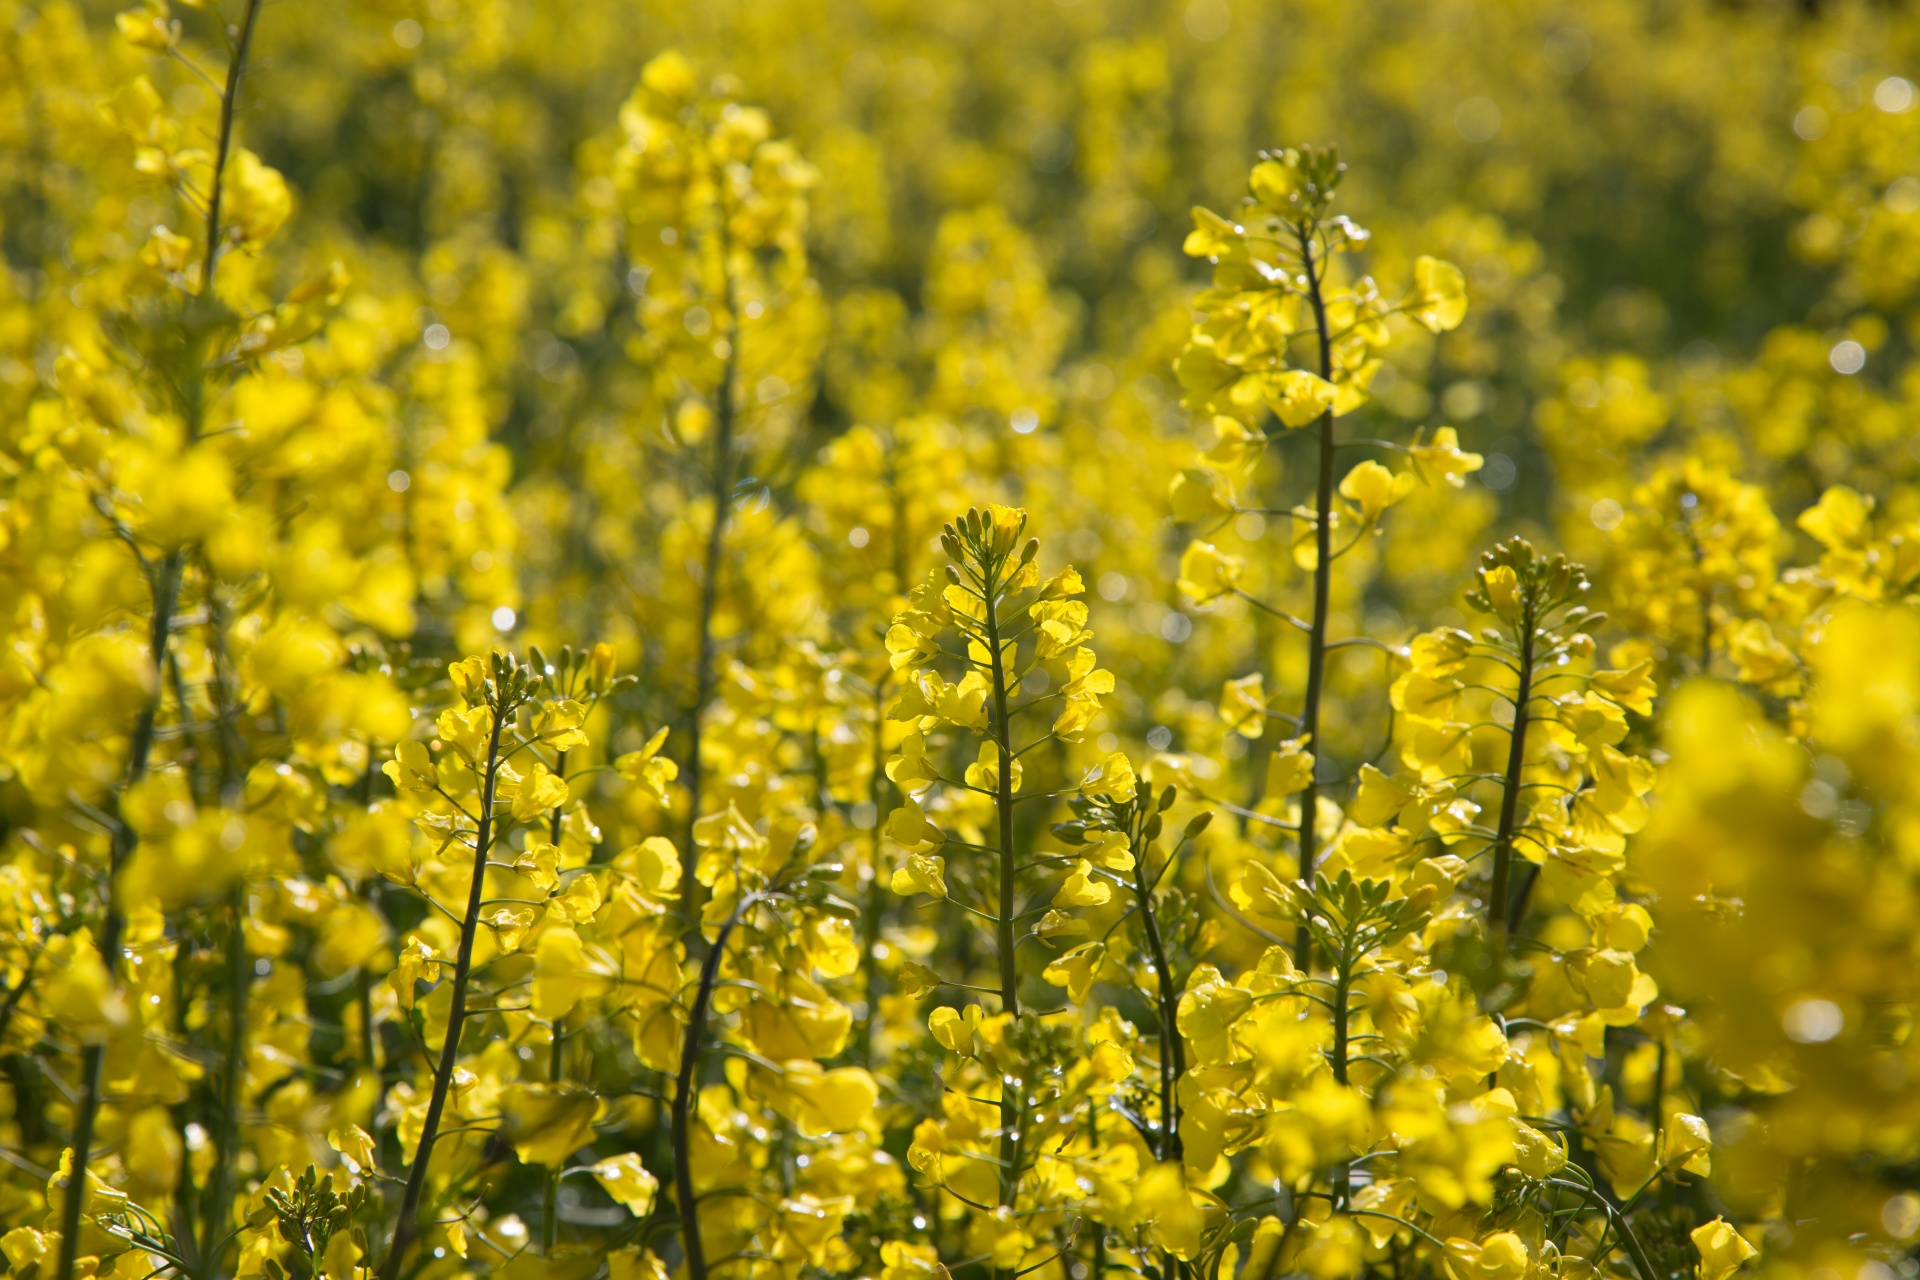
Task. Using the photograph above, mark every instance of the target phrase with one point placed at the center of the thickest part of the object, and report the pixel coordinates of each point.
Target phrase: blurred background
(1687, 226)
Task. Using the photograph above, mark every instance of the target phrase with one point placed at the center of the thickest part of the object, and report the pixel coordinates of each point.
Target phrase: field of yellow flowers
(784, 639)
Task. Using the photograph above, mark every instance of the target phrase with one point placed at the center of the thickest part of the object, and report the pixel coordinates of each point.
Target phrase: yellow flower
(1112, 777)
(1289, 768)
(1371, 488)
(1501, 1256)
(1298, 397)
(655, 866)
(1206, 573)
(1080, 889)
(921, 873)
(1439, 296)
(1162, 1202)
(1243, 705)
(1444, 455)
(649, 768)
(1722, 1249)
(627, 1180)
(257, 198)
(954, 1030)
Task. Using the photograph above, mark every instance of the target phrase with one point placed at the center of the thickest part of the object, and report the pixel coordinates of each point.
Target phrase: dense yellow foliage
(1204, 639)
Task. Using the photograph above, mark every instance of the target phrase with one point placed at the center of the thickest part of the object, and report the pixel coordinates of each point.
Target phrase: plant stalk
(219, 1212)
(683, 1100)
(870, 913)
(1006, 941)
(725, 412)
(1342, 992)
(405, 1229)
(1498, 906)
(166, 593)
(1172, 1053)
(1322, 592)
(236, 72)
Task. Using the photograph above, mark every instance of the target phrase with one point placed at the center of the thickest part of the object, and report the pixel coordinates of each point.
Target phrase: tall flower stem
(1172, 1053)
(720, 491)
(556, 1054)
(242, 37)
(406, 1228)
(216, 1219)
(1005, 939)
(686, 1084)
(870, 912)
(1314, 271)
(165, 582)
(1501, 914)
(1342, 1014)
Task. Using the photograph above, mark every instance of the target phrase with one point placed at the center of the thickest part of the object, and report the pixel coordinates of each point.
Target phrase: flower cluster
(539, 732)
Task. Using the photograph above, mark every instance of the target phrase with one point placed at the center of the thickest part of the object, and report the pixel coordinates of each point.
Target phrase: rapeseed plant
(550, 717)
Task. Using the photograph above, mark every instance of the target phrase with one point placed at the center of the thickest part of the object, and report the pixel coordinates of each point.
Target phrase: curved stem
(166, 593)
(406, 1227)
(1620, 1224)
(683, 1099)
(1322, 590)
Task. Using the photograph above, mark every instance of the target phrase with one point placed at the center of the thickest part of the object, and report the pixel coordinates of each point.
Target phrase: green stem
(1502, 915)
(236, 72)
(870, 913)
(1322, 592)
(219, 1212)
(556, 1059)
(722, 486)
(406, 1227)
(1620, 1224)
(1099, 1265)
(1172, 1052)
(1009, 861)
(1342, 988)
(217, 1216)
(166, 593)
(685, 1085)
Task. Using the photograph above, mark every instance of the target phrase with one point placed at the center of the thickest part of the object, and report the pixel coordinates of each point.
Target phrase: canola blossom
(818, 640)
